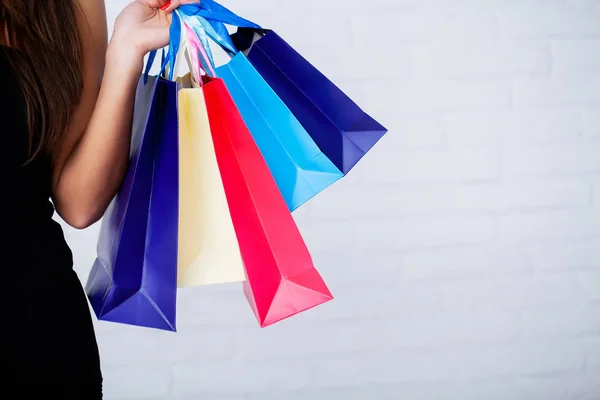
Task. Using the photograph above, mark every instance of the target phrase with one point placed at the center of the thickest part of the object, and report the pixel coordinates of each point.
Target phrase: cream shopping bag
(208, 247)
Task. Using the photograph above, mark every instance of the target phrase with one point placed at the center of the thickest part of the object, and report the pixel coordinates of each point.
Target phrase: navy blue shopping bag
(341, 129)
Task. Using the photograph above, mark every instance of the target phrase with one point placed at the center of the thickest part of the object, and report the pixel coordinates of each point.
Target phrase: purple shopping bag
(134, 278)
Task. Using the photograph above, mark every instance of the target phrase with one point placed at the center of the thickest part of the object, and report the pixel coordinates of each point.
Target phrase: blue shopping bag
(134, 278)
(299, 167)
(339, 127)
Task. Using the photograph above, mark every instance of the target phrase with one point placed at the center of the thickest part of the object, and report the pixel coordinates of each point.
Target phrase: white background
(463, 251)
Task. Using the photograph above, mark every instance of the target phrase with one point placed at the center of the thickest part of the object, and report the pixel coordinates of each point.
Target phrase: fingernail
(167, 5)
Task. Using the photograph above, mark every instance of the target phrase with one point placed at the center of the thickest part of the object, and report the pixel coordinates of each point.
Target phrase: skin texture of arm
(93, 156)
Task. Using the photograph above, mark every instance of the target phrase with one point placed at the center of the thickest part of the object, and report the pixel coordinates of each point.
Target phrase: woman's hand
(93, 157)
(144, 26)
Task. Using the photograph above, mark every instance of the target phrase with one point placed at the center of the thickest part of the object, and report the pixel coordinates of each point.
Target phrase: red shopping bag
(282, 280)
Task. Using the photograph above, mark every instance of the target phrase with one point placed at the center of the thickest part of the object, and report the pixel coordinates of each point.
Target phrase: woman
(66, 104)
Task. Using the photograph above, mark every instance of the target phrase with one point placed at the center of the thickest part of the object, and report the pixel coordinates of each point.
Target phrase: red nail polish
(164, 7)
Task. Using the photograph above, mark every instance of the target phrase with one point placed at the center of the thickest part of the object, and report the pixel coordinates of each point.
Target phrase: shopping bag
(208, 252)
(297, 164)
(134, 277)
(208, 248)
(282, 280)
(341, 129)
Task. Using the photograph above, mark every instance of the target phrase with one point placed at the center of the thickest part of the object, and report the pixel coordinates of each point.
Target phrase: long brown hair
(48, 64)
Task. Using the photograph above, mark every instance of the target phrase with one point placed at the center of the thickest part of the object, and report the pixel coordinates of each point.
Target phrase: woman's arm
(93, 156)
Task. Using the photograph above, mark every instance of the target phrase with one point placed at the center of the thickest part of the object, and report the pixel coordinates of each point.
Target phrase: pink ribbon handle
(197, 50)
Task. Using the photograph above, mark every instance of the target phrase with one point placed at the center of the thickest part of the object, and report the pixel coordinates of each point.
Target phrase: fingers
(154, 3)
(166, 5)
(169, 6)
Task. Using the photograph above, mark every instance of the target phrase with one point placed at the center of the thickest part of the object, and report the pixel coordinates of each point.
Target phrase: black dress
(48, 343)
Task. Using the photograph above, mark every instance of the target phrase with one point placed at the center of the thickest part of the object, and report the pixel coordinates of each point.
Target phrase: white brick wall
(464, 251)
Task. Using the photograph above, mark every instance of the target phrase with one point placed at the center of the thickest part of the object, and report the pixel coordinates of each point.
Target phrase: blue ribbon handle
(170, 58)
(205, 18)
(174, 40)
(218, 13)
(212, 10)
(150, 63)
(203, 30)
(210, 13)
